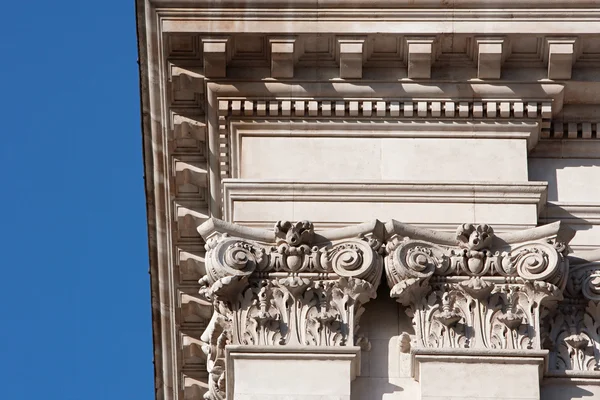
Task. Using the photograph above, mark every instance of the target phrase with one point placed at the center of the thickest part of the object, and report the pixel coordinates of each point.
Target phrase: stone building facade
(383, 199)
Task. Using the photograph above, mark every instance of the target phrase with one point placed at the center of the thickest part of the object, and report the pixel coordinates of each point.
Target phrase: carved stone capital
(286, 287)
(584, 280)
(475, 289)
(573, 336)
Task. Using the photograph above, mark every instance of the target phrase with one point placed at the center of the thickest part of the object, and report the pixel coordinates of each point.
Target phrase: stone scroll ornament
(573, 333)
(283, 288)
(475, 289)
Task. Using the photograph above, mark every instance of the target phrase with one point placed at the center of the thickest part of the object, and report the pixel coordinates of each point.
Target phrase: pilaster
(477, 298)
(286, 294)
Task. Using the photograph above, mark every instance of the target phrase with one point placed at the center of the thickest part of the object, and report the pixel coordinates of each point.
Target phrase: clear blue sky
(76, 321)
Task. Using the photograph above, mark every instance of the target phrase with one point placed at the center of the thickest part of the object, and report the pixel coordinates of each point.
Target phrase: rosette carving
(230, 257)
(355, 259)
(414, 259)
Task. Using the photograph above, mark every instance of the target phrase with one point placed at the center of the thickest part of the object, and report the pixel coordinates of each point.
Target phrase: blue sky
(75, 295)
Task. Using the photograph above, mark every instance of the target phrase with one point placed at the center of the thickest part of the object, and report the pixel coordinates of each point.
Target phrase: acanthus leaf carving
(573, 336)
(480, 293)
(290, 291)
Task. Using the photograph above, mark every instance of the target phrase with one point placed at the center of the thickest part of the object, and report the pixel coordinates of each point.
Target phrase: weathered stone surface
(482, 116)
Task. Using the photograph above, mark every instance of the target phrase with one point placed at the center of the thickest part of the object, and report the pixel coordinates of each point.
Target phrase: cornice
(418, 21)
(374, 90)
(176, 131)
(408, 4)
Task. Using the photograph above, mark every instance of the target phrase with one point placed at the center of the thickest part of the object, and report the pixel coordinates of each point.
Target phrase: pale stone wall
(443, 159)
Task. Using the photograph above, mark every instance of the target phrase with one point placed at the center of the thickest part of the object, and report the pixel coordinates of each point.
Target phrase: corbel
(560, 57)
(419, 56)
(490, 54)
(283, 57)
(186, 83)
(351, 57)
(216, 56)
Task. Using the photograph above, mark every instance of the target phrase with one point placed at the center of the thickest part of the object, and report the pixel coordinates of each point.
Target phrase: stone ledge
(531, 197)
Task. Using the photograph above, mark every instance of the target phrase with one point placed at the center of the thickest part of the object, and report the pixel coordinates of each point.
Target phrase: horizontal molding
(471, 5)
(566, 148)
(320, 18)
(579, 213)
(442, 227)
(573, 130)
(299, 107)
(405, 192)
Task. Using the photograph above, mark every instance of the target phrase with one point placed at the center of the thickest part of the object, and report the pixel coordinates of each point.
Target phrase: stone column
(476, 300)
(284, 302)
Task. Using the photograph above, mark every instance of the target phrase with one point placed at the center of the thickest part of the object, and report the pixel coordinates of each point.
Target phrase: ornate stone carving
(573, 336)
(475, 289)
(584, 279)
(285, 287)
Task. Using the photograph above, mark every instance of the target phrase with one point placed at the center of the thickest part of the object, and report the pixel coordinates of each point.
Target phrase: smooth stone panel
(475, 374)
(570, 388)
(434, 214)
(287, 372)
(574, 180)
(353, 158)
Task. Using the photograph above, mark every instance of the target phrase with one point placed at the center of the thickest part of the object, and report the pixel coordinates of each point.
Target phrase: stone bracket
(560, 57)
(352, 56)
(419, 56)
(490, 55)
(283, 57)
(216, 56)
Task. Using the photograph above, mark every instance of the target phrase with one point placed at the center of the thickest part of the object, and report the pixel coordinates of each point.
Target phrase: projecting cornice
(213, 71)
(424, 17)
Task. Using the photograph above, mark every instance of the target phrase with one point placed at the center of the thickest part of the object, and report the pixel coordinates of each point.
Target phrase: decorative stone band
(573, 130)
(475, 289)
(286, 287)
(406, 108)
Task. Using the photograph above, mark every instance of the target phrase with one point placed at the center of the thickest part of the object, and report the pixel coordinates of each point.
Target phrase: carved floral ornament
(470, 289)
(288, 287)
(484, 292)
